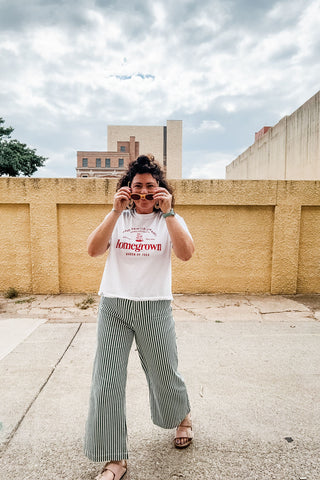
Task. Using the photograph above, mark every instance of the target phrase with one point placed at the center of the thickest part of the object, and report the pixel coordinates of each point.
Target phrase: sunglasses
(137, 196)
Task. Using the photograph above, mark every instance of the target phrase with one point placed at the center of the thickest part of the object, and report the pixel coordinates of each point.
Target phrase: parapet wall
(289, 150)
(251, 236)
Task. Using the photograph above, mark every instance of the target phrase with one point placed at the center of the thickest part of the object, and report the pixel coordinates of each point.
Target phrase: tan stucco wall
(250, 236)
(288, 151)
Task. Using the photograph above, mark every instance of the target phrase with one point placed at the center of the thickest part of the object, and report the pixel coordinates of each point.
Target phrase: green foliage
(4, 132)
(11, 293)
(89, 300)
(15, 157)
(26, 300)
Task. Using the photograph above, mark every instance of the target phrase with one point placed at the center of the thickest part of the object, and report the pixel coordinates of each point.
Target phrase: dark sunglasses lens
(137, 196)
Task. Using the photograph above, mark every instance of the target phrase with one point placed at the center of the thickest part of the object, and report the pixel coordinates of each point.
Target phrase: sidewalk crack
(6, 443)
(198, 315)
(286, 311)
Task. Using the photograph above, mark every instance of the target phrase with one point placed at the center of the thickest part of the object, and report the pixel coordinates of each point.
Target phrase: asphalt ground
(251, 365)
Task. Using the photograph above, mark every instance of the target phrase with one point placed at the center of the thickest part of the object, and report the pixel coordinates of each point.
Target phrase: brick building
(125, 143)
(107, 164)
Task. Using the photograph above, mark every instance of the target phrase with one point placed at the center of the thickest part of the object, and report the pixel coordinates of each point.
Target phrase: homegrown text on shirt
(138, 266)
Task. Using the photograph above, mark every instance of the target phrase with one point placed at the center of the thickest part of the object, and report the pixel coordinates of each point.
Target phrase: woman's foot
(184, 434)
(114, 470)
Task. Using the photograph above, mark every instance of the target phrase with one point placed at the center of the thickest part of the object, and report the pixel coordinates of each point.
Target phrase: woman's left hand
(182, 242)
(164, 198)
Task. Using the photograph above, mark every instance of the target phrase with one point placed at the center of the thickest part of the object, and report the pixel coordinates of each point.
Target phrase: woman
(135, 303)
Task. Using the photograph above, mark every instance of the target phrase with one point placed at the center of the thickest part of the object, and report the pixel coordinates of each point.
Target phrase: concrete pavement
(251, 364)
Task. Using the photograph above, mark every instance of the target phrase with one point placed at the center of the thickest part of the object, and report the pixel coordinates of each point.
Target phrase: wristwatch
(169, 214)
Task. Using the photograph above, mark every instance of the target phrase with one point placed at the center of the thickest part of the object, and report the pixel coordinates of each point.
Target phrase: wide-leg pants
(152, 325)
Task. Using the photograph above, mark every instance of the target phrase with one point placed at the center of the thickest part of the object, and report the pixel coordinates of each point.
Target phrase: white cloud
(58, 164)
(207, 126)
(159, 14)
(209, 165)
(212, 64)
(229, 107)
(49, 43)
(286, 10)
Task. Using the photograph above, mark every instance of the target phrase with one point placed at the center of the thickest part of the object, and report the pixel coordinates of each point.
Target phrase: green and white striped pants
(152, 325)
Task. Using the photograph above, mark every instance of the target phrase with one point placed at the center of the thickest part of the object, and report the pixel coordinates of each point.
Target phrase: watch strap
(171, 213)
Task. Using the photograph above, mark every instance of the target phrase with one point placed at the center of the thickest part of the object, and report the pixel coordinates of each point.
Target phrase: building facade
(288, 151)
(125, 143)
(110, 164)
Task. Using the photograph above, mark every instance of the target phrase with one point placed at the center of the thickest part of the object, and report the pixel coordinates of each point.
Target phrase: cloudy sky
(224, 67)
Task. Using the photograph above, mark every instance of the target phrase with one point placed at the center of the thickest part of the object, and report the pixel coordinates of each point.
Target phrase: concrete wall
(250, 236)
(174, 149)
(289, 150)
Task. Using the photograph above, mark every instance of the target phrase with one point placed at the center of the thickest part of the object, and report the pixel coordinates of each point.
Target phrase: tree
(15, 157)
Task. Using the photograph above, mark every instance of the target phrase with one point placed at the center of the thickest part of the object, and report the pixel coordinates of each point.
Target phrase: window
(122, 149)
(84, 162)
(121, 162)
(108, 163)
(98, 162)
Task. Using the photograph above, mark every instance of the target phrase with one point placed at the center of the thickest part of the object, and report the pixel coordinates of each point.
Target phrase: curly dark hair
(145, 164)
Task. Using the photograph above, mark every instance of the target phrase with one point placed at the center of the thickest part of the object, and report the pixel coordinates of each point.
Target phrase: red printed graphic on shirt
(138, 247)
(138, 241)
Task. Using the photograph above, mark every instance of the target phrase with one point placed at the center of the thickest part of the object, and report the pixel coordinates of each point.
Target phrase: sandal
(184, 430)
(119, 470)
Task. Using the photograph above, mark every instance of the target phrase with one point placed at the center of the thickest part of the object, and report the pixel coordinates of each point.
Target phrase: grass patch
(25, 300)
(86, 302)
(11, 293)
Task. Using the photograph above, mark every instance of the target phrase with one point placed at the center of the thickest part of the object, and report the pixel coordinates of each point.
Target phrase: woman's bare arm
(99, 240)
(182, 243)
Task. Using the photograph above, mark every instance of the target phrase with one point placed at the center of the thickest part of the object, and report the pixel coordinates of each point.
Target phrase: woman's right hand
(98, 241)
(122, 199)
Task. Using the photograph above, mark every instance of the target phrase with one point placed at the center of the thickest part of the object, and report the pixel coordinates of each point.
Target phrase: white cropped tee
(138, 266)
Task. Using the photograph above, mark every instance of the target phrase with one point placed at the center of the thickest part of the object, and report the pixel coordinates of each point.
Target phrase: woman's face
(143, 184)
